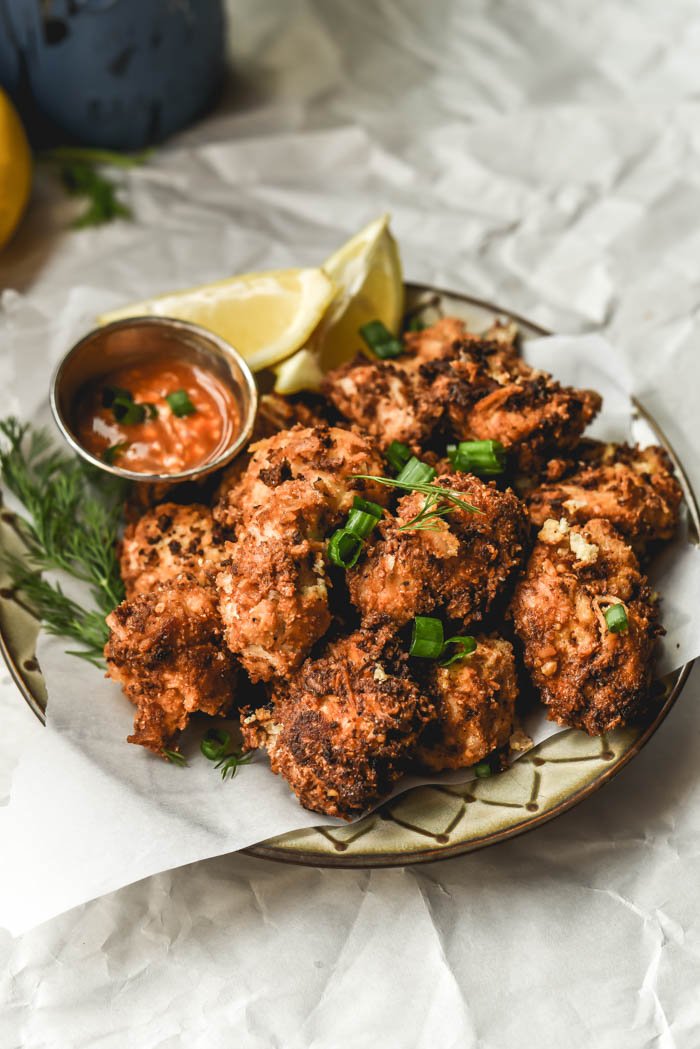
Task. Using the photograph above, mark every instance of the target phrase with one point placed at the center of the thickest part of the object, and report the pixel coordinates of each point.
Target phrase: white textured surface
(544, 155)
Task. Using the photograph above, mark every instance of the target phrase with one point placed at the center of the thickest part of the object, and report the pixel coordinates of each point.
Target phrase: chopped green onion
(111, 453)
(483, 770)
(110, 393)
(397, 455)
(616, 618)
(380, 340)
(360, 523)
(427, 638)
(416, 472)
(467, 645)
(127, 411)
(344, 548)
(369, 507)
(215, 744)
(416, 323)
(484, 458)
(180, 403)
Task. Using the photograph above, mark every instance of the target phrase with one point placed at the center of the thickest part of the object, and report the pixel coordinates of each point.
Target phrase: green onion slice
(484, 458)
(417, 323)
(360, 523)
(180, 403)
(427, 638)
(380, 340)
(483, 770)
(127, 411)
(215, 744)
(344, 548)
(416, 472)
(110, 454)
(466, 645)
(616, 618)
(397, 455)
(110, 393)
(368, 507)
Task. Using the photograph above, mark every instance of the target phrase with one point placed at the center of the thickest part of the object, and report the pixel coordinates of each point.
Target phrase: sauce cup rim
(176, 326)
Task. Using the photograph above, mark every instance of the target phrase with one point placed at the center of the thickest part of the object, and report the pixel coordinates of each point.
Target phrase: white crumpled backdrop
(544, 155)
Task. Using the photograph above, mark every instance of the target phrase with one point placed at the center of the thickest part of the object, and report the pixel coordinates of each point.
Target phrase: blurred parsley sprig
(73, 515)
(79, 170)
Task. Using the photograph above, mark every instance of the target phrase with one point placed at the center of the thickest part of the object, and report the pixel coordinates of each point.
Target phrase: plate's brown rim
(301, 857)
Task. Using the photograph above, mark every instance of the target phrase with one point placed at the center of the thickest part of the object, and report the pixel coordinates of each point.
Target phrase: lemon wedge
(265, 316)
(366, 272)
(15, 169)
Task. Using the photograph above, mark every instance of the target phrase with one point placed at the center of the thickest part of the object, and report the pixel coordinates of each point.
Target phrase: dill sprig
(439, 501)
(73, 515)
(426, 520)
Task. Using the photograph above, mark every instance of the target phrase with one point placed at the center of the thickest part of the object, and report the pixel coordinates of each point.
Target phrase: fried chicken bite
(273, 590)
(386, 399)
(166, 541)
(342, 728)
(475, 705)
(460, 564)
(275, 413)
(166, 650)
(587, 676)
(492, 394)
(633, 488)
(323, 457)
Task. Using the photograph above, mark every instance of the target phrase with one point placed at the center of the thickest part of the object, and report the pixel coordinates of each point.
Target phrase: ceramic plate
(436, 822)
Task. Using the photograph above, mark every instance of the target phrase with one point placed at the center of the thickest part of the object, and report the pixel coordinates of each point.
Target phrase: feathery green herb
(438, 501)
(78, 170)
(73, 514)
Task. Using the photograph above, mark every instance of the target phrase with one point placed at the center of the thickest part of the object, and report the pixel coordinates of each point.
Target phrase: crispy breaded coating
(633, 488)
(275, 413)
(273, 591)
(491, 394)
(323, 457)
(166, 650)
(341, 729)
(386, 399)
(587, 676)
(166, 541)
(475, 704)
(460, 565)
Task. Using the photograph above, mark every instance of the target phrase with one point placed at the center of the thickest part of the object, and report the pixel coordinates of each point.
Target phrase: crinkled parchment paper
(90, 813)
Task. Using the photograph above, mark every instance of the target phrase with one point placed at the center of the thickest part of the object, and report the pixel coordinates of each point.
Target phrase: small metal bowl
(128, 341)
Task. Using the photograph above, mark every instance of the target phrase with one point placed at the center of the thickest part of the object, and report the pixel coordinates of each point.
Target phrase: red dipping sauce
(163, 415)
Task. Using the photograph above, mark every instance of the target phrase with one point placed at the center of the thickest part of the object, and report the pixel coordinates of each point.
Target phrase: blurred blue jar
(114, 73)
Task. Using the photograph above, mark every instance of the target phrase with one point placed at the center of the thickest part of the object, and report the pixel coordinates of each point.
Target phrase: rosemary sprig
(73, 515)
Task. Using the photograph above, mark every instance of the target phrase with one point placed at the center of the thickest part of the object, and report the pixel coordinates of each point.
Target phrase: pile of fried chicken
(235, 605)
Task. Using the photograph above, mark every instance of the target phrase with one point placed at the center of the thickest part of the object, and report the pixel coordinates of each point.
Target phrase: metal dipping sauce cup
(131, 340)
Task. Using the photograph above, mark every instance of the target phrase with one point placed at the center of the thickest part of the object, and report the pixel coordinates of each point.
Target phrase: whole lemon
(15, 169)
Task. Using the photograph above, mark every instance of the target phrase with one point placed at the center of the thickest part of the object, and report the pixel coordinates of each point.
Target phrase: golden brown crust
(633, 488)
(340, 729)
(324, 457)
(475, 703)
(166, 541)
(273, 591)
(166, 650)
(587, 676)
(476, 388)
(460, 566)
(491, 394)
